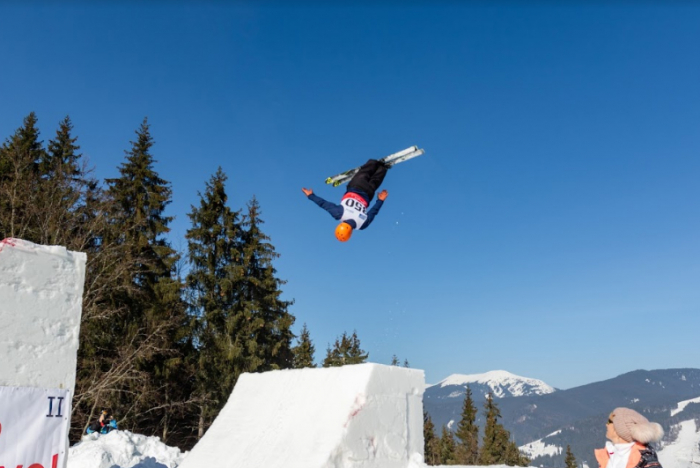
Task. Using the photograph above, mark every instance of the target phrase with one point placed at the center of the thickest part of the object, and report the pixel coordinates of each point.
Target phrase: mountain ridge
(497, 380)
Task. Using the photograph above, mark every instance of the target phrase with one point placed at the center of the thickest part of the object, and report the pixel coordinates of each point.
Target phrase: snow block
(41, 294)
(359, 416)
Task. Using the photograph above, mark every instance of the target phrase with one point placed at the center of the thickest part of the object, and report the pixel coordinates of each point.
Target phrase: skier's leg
(363, 179)
(378, 177)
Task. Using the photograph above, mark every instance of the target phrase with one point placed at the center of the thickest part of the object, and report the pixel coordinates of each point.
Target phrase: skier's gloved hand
(306, 191)
(382, 195)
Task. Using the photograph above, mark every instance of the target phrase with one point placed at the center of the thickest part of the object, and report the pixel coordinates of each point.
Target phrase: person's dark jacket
(337, 210)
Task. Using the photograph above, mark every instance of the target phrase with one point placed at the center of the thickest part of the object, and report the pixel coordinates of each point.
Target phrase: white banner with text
(34, 425)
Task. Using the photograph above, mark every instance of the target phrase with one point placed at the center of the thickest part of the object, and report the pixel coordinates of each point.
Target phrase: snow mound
(501, 382)
(123, 449)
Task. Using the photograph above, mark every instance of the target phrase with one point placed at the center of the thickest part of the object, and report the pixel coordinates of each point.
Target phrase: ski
(391, 160)
(347, 175)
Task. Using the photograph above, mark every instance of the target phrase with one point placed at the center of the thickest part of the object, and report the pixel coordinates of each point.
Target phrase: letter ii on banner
(34, 425)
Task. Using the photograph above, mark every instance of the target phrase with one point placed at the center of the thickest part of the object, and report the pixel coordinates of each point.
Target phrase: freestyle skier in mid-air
(352, 211)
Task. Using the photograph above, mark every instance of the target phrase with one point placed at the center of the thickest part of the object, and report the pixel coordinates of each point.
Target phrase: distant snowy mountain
(501, 383)
(443, 401)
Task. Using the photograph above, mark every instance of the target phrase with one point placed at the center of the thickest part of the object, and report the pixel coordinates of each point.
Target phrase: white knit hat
(633, 427)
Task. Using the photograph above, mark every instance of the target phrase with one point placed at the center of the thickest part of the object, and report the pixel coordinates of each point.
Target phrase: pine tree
(570, 460)
(304, 350)
(513, 456)
(356, 355)
(493, 448)
(64, 192)
(261, 295)
(141, 197)
(20, 182)
(467, 452)
(405, 363)
(497, 448)
(25, 146)
(337, 355)
(243, 325)
(331, 359)
(215, 282)
(43, 193)
(431, 442)
(447, 447)
(153, 315)
(346, 350)
(394, 360)
(62, 155)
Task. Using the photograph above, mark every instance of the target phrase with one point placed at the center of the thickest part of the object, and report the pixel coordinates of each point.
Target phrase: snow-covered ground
(684, 452)
(123, 449)
(683, 404)
(540, 448)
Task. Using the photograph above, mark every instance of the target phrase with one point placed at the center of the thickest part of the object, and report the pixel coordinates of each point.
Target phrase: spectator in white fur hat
(630, 434)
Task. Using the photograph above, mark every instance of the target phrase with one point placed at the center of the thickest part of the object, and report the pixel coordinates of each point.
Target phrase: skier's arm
(372, 213)
(335, 210)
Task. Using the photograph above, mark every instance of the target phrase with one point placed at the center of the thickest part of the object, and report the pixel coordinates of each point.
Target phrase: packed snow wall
(41, 293)
(360, 416)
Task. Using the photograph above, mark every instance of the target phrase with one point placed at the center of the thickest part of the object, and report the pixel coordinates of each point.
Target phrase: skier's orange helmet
(343, 232)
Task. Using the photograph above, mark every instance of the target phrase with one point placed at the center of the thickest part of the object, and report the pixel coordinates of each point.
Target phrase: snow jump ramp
(41, 295)
(359, 416)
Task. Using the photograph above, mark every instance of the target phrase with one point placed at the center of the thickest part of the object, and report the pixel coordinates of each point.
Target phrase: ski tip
(329, 180)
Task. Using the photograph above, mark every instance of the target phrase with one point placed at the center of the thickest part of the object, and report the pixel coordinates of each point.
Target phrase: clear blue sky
(552, 229)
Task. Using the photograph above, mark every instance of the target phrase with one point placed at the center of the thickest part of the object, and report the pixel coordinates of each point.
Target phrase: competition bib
(354, 208)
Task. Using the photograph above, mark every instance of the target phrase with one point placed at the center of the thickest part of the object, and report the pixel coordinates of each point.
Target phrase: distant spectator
(630, 434)
(106, 423)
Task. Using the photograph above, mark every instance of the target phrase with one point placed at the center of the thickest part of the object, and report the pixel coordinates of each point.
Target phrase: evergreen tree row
(164, 335)
(496, 448)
